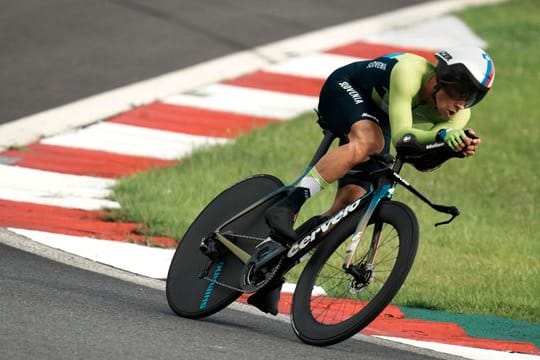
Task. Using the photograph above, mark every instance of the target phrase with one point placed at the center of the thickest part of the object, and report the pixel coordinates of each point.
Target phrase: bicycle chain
(247, 237)
(230, 287)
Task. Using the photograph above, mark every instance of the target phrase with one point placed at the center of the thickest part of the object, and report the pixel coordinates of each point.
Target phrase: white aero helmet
(465, 73)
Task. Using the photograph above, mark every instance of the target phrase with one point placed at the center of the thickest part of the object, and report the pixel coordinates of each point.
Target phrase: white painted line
(138, 259)
(361, 29)
(133, 140)
(98, 107)
(57, 199)
(463, 351)
(50, 188)
(241, 100)
(291, 287)
(318, 65)
(101, 106)
(143, 260)
(451, 31)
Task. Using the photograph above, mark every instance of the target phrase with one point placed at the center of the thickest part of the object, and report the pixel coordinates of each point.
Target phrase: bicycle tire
(187, 294)
(334, 315)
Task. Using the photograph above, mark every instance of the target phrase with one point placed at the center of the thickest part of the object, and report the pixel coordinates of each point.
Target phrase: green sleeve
(405, 83)
(458, 121)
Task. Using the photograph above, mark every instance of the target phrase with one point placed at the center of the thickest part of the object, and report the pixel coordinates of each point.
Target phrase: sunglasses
(460, 91)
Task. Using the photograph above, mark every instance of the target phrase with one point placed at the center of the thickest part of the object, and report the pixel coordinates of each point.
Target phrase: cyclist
(370, 104)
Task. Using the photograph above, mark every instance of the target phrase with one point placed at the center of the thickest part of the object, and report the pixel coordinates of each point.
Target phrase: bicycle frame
(388, 178)
(322, 149)
(240, 253)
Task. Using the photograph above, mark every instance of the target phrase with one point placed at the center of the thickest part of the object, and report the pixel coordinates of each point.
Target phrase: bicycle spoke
(340, 300)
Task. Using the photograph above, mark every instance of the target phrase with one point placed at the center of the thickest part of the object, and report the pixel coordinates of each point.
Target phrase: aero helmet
(465, 73)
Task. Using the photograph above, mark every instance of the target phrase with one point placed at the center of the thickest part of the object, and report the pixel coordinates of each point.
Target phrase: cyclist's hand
(455, 138)
(471, 143)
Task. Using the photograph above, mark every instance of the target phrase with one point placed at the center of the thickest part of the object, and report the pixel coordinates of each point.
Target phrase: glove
(452, 137)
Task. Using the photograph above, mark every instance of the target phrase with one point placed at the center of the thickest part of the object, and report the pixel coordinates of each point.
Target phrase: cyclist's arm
(458, 121)
(404, 84)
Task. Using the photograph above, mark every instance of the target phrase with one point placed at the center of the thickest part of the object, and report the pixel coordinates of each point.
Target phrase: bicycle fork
(385, 191)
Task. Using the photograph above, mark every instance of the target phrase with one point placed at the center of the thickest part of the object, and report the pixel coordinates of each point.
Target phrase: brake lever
(452, 210)
(447, 221)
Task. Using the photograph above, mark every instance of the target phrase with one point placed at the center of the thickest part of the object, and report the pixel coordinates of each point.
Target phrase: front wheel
(331, 304)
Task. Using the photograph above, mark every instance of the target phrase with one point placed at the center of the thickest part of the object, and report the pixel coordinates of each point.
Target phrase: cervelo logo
(323, 228)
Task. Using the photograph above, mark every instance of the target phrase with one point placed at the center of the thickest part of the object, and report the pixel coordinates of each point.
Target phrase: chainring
(253, 278)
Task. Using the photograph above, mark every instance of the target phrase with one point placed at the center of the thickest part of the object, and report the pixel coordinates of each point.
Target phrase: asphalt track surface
(57, 311)
(58, 51)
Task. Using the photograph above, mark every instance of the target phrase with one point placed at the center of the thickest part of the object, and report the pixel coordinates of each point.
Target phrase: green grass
(488, 260)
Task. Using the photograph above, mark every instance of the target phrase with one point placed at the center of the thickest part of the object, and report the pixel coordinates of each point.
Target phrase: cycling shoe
(280, 219)
(267, 300)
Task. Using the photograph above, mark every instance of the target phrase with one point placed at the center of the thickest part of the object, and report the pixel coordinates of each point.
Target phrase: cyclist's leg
(365, 137)
(357, 123)
(345, 195)
(352, 187)
(368, 137)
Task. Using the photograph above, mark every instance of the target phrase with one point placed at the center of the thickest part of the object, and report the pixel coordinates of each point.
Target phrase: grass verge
(487, 261)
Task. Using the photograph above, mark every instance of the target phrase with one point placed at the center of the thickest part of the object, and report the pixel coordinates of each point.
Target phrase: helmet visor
(460, 91)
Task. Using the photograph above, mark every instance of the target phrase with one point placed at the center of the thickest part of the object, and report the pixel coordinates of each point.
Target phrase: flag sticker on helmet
(490, 71)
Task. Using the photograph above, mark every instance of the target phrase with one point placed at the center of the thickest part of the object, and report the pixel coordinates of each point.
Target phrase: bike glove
(452, 137)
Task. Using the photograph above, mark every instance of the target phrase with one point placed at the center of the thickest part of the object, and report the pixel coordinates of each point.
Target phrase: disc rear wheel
(188, 293)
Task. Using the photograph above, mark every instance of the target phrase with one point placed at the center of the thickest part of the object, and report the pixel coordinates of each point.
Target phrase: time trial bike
(357, 259)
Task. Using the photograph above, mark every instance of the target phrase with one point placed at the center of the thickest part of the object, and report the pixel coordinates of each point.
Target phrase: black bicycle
(358, 258)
